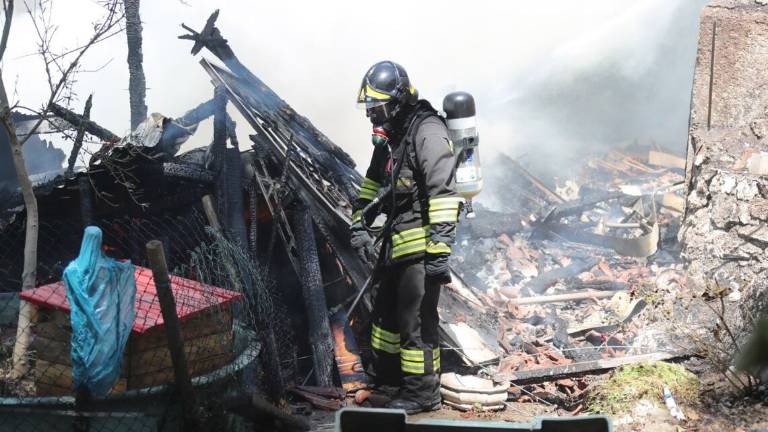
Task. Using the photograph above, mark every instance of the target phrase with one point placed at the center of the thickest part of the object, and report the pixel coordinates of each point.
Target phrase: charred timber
(197, 114)
(218, 153)
(235, 208)
(86, 200)
(137, 85)
(309, 138)
(311, 278)
(90, 126)
(329, 209)
(78, 144)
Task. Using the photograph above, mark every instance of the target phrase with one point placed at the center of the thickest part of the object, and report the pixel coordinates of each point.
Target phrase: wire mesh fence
(225, 302)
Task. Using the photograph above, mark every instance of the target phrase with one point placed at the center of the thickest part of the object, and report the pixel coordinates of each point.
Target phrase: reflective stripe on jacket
(427, 205)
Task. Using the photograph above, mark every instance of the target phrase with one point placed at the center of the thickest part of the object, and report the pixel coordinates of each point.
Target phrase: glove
(436, 265)
(362, 242)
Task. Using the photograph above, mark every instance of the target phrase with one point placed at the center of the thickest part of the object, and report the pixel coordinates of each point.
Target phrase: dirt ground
(717, 410)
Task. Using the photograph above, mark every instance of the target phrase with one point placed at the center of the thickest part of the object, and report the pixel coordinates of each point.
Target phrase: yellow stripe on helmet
(372, 93)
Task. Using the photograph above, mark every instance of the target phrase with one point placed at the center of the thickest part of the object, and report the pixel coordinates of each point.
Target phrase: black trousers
(404, 334)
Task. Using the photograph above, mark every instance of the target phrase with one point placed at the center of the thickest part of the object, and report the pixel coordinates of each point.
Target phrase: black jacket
(427, 205)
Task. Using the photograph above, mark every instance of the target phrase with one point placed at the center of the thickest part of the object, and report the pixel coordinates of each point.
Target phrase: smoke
(627, 80)
(550, 78)
(40, 156)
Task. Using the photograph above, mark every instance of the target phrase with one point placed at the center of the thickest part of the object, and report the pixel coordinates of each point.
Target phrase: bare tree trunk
(137, 85)
(29, 272)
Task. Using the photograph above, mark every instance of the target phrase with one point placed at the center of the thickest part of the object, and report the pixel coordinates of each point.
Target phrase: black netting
(226, 302)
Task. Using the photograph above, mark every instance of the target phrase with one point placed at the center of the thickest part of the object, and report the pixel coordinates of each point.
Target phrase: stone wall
(724, 232)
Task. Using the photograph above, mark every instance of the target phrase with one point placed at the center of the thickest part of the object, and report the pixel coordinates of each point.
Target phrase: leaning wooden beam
(198, 113)
(330, 211)
(90, 126)
(332, 158)
(156, 256)
(314, 297)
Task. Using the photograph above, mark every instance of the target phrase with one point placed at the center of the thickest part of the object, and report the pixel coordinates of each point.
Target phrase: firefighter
(411, 143)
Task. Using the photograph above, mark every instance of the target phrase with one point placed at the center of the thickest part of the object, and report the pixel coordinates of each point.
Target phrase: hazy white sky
(314, 53)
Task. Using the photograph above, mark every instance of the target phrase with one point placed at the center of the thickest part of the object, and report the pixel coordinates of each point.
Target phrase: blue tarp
(101, 293)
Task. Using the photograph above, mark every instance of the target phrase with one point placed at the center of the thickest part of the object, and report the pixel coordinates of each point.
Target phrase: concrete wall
(724, 232)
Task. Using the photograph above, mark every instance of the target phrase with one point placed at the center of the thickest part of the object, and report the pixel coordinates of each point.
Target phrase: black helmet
(384, 91)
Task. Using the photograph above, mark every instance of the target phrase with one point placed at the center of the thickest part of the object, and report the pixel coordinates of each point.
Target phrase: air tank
(459, 108)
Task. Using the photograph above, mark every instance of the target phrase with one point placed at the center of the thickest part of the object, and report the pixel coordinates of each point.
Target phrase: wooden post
(159, 267)
(314, 297)
(233, 174)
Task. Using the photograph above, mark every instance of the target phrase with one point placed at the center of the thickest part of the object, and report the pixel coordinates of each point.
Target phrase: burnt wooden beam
(218, 152)
(90, 126)
(137, 84)
(320, 337)
(86, 200)
(540, 283)
(78, 144)
(198, 113)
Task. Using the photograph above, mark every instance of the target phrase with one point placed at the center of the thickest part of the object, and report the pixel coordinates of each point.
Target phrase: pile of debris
(566, 280)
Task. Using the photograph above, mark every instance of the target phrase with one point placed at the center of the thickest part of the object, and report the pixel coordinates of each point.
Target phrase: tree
(60, 68)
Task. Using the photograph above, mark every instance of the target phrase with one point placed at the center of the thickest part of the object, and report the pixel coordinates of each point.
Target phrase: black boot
(413, 407)
(419, 393)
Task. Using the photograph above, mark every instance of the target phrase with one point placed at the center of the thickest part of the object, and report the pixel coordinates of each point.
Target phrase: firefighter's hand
(436, 265)
(362, 242)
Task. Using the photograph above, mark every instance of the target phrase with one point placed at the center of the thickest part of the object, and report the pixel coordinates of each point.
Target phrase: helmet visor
(368, 97)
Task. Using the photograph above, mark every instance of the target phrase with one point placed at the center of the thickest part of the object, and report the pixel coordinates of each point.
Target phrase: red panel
(191, 298)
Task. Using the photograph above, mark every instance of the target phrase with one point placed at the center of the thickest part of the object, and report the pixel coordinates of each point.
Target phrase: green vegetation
(629, 384)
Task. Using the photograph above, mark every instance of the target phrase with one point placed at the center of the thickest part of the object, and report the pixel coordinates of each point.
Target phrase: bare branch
(113, 17)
